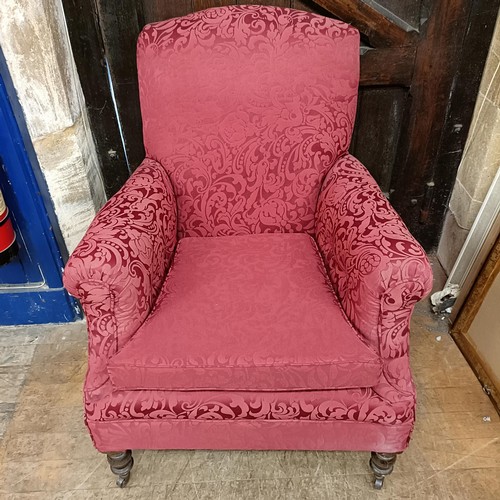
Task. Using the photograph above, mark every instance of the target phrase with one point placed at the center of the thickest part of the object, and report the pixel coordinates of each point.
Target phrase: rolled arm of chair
(377, 268)
(119, 266)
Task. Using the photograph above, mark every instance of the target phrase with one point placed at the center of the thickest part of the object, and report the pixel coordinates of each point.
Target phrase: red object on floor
(7, 233)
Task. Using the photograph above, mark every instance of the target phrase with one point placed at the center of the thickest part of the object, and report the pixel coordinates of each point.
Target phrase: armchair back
(247, 108)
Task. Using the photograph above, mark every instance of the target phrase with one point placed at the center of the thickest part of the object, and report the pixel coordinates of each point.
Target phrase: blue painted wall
(31, 289)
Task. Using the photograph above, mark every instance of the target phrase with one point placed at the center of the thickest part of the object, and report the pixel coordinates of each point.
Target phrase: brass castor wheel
(121, 462)
(378, 483)
(121, 482)
(382, 464)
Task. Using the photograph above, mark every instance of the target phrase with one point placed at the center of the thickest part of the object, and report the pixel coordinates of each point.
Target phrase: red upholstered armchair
(249, 287)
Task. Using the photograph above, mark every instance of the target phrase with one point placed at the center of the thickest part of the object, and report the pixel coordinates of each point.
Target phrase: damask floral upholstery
(249, 286)
(246, 313)
(247, 108)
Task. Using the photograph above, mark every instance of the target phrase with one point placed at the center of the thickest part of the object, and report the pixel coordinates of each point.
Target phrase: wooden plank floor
(45, 451)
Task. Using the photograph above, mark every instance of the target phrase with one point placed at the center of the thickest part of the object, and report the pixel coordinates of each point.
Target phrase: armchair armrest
(377, 268)
(119, 266)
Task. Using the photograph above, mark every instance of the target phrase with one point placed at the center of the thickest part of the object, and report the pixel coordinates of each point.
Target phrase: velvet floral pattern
(372, 259)
(245, 313)
(247, 107)
(378, 270)
(357, 405)
(248, 113)
(118, 268)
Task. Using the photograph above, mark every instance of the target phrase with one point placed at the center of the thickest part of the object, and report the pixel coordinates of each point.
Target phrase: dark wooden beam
(309, 6)
(387, 66)
(275, 3)
(119, 34)
(206, 4)
(464, 91)
(443, 92)
(378, 126)
(403, 12)
(88, 51)
(159, 10)
(380, 30)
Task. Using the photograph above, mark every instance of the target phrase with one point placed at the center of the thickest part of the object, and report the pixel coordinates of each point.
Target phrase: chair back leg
(382, 464)
(121, 463)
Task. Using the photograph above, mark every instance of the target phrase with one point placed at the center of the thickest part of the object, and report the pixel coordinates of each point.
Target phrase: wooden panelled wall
(421, 65)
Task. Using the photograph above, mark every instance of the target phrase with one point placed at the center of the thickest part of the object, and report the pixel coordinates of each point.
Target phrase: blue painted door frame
(31, 289)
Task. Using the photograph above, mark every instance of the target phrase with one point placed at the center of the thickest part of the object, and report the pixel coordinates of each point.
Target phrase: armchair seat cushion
(246, 313)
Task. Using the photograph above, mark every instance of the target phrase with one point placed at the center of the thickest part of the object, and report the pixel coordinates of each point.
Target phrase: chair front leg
(121, 463)
(382, 464)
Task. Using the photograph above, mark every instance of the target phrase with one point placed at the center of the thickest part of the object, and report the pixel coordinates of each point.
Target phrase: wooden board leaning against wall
(477, 329)
(421, 66)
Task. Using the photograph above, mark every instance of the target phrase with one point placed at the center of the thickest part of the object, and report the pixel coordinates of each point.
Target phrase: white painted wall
(36, 46)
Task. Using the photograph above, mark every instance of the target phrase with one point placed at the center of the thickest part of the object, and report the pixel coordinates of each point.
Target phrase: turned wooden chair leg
(382, 464)
(121, 463)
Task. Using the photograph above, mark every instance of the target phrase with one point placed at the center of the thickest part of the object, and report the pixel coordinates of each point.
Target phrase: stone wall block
(39, 59)
(449, 249)
(36, 46)
(482, 152)
(69, 171)
(463, 206)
